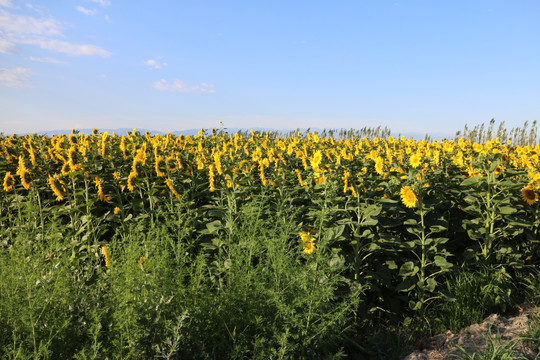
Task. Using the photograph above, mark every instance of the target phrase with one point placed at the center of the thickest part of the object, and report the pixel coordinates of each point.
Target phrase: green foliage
(472, 295)
(169, 294)
(192, 273)
(532, 336)
(492, 218)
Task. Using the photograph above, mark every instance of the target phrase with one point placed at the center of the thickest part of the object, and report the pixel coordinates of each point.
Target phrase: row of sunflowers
(119, 164)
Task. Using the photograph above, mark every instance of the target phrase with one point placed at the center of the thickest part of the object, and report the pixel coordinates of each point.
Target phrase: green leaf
(408, 269)
(415, 305)
(410, 222)
(214, 226)
(507, 210)
(388, 201)
(437, 228)
(334, 233)
(431, 284)
(471, 181)
(336, 261)
(373, 210)
(442, 263)
(209, 245)
(517, 221)
(493, 166)
(469, 199)
(370, 222)
(405, 286)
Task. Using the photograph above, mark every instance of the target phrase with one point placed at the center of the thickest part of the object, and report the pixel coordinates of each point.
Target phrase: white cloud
(68, 48)
(40, 32)
(102, 2)
(17, 77)
(21, 24)
(7, 47)
(46, 60)
(154, 64)
(180, 86)
(86, 11)
(6, 3)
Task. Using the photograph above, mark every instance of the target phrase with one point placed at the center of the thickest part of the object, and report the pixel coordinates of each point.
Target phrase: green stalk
(423, 244)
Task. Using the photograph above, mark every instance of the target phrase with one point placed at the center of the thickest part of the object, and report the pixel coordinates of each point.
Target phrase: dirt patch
(473, 337)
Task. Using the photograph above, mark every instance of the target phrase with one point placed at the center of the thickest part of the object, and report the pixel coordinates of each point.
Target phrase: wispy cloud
(6, 3)
(20, 24)
(86, 11)
(29, 30)
(68, 48)
(17, 77)
(102, 2)
(182, 87)
(155, 64)
(7, 47)
(46, 60)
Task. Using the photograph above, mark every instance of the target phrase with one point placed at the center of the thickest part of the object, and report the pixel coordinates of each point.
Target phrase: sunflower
(379, 165)
(529, 195)
(408, 197)
(211, 178)
(316, 160)
(308, 241)
(9, 181)
(306, 237)
(415, 160)
(171, 187)
(55, 189)
(309, 247)
(106, 256)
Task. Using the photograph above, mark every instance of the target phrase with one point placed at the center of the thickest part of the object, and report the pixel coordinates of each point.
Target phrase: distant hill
(190, 132)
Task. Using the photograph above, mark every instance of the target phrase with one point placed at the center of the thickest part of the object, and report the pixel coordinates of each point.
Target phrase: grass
(495, 349)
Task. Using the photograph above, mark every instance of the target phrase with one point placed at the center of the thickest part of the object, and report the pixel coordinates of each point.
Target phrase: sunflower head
(529, 195)
(9, 182)
(408, 197)
(415, 160)
(309, 247)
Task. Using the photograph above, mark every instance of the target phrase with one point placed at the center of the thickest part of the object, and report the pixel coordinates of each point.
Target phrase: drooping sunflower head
(408, 197)
(9, 182)
(529, 195)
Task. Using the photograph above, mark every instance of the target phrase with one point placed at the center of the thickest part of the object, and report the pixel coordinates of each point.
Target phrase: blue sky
(413, 66)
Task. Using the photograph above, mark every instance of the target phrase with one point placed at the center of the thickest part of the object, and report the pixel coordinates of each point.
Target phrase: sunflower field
(255, 245)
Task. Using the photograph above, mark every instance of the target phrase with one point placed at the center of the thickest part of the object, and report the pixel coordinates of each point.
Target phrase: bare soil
(473, 337)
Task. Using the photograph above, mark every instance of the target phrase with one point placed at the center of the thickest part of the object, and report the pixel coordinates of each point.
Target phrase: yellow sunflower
(529, 195)
(309, 247)
(408, 197)
(415, 160)
(9, 181)
(106, 256)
